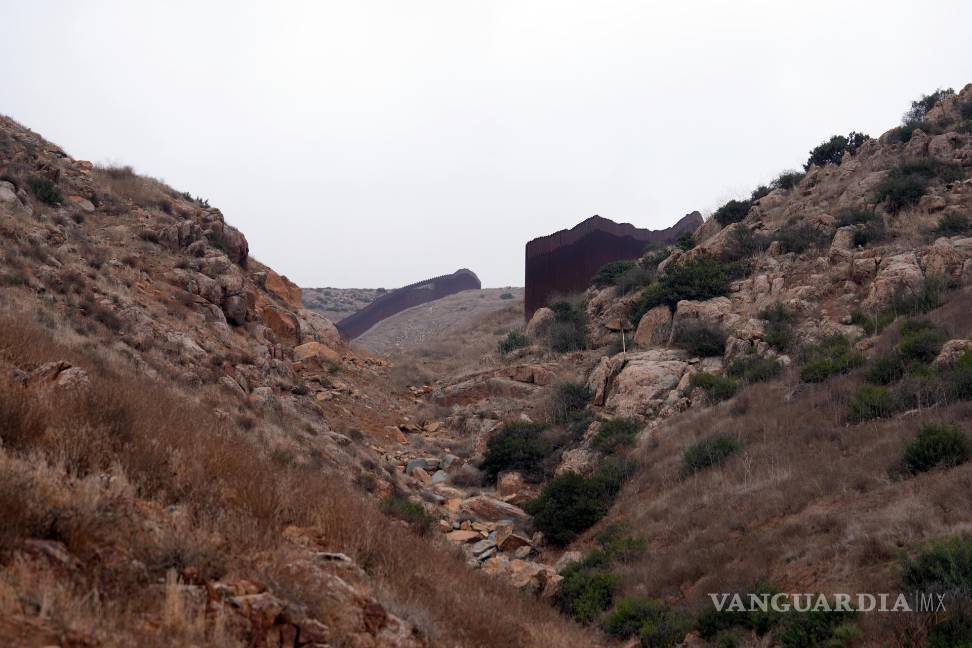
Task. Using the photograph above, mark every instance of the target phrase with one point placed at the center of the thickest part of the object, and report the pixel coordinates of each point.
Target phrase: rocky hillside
(189, 456)
(337, 303)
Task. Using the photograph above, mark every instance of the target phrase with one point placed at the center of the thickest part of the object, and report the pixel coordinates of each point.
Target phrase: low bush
(952, 224)
(709, 451)
(872, 324)
(833, 356)
(941, 566)
(886, 369)
(937, 445)
(45, 190)
(833, 150)
(568, 331)
(779, 331)
(930, 294)
(799, 237)
(609, 273)
(630, 614)
(513, 340)
(569, 400)
(732, 212)
(615, 435)
(906, 184)
(700, 339)
(685, 242)
(634, 279)
(788, 180)
(411, 512)
(871, 402)
(958, 379)
(716, 388)
(520, 446)
(586, 592)
(506, 295)
(699, 279)
(617, 546)
(754, 368)
(920, 342)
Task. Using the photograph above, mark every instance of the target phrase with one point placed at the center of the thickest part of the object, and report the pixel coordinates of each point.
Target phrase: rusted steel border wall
(405, 297)
(565, 262)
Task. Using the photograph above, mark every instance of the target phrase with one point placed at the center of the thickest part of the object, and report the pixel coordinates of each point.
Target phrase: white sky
(375, 143)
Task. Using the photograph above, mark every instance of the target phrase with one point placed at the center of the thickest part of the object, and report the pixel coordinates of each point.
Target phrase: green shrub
(585, 593)
(568, 332)
(45, 190)
(616, 434)
(886, 369)
(685, 242)
(810, 629)
(958, 379)
(779, 331)
(787, 180)
(700, 339)
(937, 444)
(833, 150)
(930, 294)
(872, 324)
(520, 446)
(506, 295)
(709, 451)
(920, 107)
(513, 340)
(634, 279)
(411, 512)
(699, 279)
(568, 505)
(871, 402)
(906, 184)
(952, 224)
(849, 217)
(569, 400)
(618, 547)
(663, 629)
(872, 232)
(759, 192)
(942, 566)
(801, 236)
(920, 345)
(831, 357)
(755, 368)
(609, 273)
(717, 388)
(630, 613)
(732, 212)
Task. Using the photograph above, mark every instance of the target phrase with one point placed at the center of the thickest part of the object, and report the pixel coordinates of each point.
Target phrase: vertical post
(624, 349)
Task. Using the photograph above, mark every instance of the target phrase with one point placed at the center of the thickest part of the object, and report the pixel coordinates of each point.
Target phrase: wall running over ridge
(566, 261)
(407, 297)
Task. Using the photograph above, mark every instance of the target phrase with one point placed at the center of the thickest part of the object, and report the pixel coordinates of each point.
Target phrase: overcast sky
(375, 143)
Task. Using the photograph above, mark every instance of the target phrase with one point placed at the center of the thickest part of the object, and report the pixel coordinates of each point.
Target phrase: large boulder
(653, 327)
(895, 273)
(283, 289)
(539, 324)
(645, 381)
(490, 509)
(315, 353)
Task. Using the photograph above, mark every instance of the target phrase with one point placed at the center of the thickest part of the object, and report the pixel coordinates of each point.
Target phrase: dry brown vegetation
(143, 487)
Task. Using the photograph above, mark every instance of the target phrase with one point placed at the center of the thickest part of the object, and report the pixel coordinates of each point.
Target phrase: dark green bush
(833, 356)
(745, 243)
(709, 451)
(759, 192)
(872, 323)
(918, 112)
(568, 505)
(700, 339)
(411, 512)
(513, 340)
(699, 279)
(630, 614)
(45, 190)
(569, 400)
(906, 184)
(937, 444)
(886, 369)
(871, 402)
(755, 368)
(568, 332)
(717, 388)
(921, 345)
(833, 150)
(787, 180)
(506, 295)
(872, 232)
(520, 446)
(585, 592)
(609, 273)
(952, 224)
(942, 566)
(732, 212)
(799, 237)
(810, 629)
(779, 331)
(663, 630)
(616, 434)
(619, 547)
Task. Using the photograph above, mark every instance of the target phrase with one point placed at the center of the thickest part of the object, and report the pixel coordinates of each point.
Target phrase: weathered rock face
(406, 297)
(565, 262)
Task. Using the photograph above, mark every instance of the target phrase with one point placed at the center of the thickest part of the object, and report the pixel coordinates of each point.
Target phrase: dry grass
(100, 469)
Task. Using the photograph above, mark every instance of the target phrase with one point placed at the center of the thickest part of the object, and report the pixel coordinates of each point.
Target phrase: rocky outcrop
(565, 262)
(407, 297)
